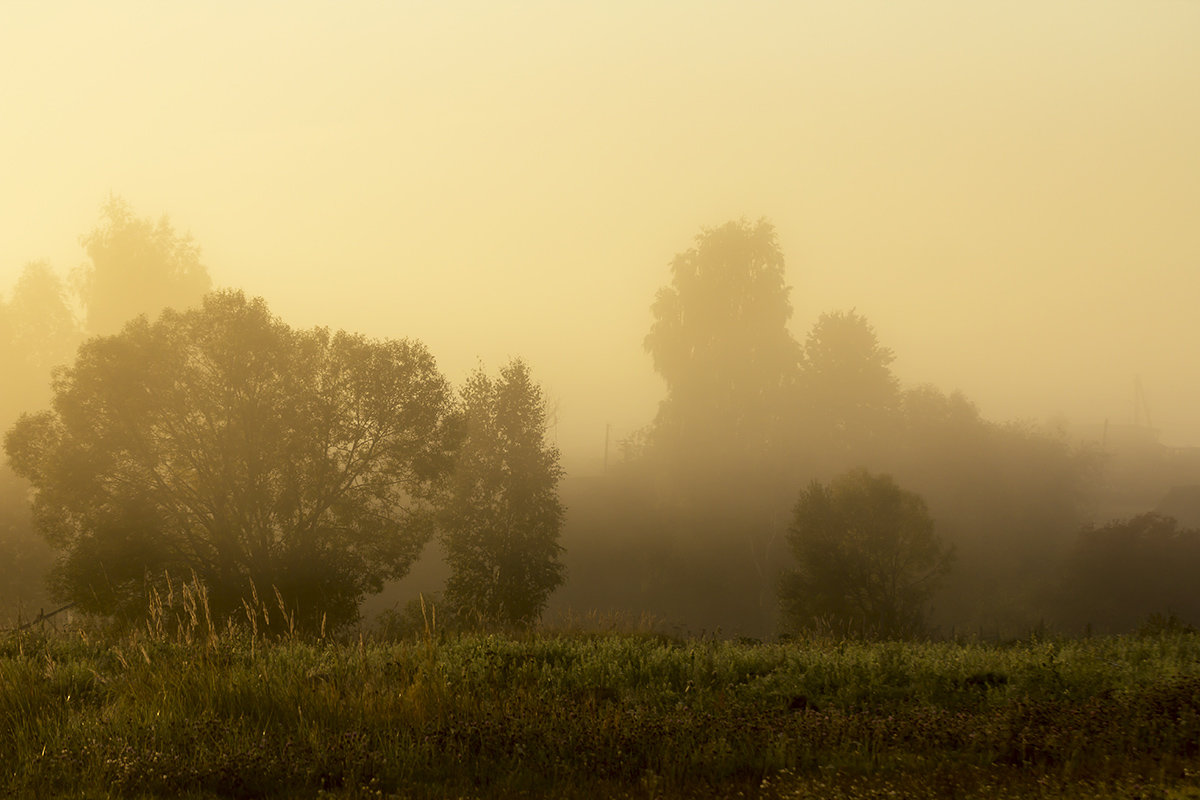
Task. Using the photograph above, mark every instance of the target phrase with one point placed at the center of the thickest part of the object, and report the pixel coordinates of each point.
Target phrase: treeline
(709, 522)
(192, 437)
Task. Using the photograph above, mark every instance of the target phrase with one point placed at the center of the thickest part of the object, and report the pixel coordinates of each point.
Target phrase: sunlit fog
(936, 259)
(600, 398)
(1008, 192)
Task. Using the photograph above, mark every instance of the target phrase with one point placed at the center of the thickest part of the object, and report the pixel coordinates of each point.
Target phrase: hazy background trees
(720, 454)
(850, 398)
(136, 266)
(721, 344)
(1119, 574)
(185, 441)
(38, 331)
(1008, 496)
(705, 495)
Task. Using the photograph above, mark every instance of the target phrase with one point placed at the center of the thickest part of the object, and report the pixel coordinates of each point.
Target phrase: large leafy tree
(867, 558)
(502, 515)
(137, 266)
(222, 443)
(721, 343)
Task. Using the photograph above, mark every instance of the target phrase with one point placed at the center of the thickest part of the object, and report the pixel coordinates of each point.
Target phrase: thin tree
(502, 516)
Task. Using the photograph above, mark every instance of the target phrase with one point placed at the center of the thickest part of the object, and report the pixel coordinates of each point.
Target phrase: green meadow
(594, 714)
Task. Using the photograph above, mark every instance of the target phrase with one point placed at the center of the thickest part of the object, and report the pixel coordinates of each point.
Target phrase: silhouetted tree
(867, 558)
(137, 267)
(502, 516)
(221, 442)
(721, 343)
(25, 558)
(1122, 572)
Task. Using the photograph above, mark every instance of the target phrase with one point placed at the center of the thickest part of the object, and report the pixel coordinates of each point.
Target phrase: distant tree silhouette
(137, 267)
(38, 331)
(719, 454)
(1009, 496)
(25, 558)
(1122, 572)
(721, 343)
(851, 393)
(867, 558)
(502, 516)
(221, 442)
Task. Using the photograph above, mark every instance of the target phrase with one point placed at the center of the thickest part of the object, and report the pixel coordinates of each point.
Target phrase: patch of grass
(169, 712)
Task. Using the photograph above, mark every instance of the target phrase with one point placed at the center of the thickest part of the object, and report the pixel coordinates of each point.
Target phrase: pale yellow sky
(1009, 190)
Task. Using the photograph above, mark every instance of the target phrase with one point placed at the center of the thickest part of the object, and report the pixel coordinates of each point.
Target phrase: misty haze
(765, 375)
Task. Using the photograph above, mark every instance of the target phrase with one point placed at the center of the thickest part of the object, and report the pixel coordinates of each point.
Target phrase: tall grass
(182, 706)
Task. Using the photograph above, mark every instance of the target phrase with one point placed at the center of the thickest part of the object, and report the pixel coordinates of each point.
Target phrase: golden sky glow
(1009, 191)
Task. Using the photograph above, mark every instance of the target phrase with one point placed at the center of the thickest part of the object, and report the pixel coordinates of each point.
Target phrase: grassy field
(595, 715)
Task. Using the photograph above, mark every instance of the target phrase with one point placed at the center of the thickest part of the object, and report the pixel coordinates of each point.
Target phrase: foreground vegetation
(594, 714)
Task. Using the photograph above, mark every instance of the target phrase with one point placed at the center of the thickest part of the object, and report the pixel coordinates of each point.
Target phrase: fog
(1008, 192)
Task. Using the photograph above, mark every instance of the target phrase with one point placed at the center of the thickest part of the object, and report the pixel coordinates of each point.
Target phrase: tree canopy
(221, 442)
(721, 343)
(502, 515)
(1122, 572)
(37, 332)
(847, 381)
(867, 558)
(138, 266)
